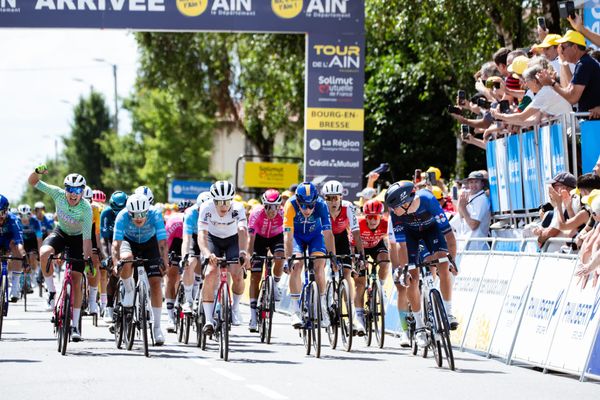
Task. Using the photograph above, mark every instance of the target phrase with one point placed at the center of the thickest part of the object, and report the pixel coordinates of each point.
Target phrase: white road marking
(227, 374)
(200, 361)
(11, 323)
(266, 392)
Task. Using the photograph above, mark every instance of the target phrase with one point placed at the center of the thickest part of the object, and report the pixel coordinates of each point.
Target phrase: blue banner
(558, 150)
(186, 190)
(531, 175)
(591, 18)
(492, 175)
(594, 364)
(515, 181)
(590, 144)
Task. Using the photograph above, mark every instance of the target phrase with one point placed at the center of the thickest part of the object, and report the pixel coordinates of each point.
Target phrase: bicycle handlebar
(138, 262)
(69, 260)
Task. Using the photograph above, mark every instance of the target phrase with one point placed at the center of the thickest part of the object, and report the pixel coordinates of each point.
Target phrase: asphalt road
(30, 367)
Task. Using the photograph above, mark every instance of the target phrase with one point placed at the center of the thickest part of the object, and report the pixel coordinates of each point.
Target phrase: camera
(566, 9)
(454, 110)
(491, 83)
(462, 96)
(483, 103)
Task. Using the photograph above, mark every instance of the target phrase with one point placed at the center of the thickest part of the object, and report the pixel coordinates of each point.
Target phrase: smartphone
(566, 9)
(454, 110)
(483, 103)
(417, 177)
(455, 193)
(504, 107)
(542, 22)
(462, 96)
(431, 178)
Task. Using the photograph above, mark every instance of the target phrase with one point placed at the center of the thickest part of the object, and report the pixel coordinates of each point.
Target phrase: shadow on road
(20, 361)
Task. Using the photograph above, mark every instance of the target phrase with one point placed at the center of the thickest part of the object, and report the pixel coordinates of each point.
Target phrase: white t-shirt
(222, 227)
(478, 208)
(556, 65)
(550, 102)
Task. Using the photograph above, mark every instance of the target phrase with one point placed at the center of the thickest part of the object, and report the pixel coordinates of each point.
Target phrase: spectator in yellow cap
(549, 49)
(285, 195)
(519, 65)
(445, 201)
(584, 89)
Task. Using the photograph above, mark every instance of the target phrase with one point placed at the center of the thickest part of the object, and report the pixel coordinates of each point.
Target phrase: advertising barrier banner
(531, 175)
(493, 175)
(502, 174)
(543, 309)
(270, 175)
(545, 157)
(593, 366)
(557, 149)
(515, 178)
(591, 19)
(186, 190)
(590, 144)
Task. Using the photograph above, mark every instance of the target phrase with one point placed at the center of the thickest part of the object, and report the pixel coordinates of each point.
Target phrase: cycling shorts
(375, 250)
(342, 247)
(71, 246)
(314, 243)
(195, 246)
(261, 247)
(176, 246)
(224, 247)
(431, 239)
(31, 245)
(148, 250)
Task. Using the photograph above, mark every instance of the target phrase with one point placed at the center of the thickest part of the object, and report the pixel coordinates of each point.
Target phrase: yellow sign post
(270, 175)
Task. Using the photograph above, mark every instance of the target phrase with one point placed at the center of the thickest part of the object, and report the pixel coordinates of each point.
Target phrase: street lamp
(85, 83)
(114, 68)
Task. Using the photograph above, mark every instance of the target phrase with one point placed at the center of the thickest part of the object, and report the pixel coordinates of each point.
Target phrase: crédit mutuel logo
(9, 6)
(194, 8)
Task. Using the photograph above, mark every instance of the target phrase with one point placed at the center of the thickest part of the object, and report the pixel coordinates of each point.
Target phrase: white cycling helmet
(137, 203)
(39, 205)
(74, 180)
(145, 190)
(332, 188)
(222, 190)
(88, 193)
(24, 209)
(202, 197)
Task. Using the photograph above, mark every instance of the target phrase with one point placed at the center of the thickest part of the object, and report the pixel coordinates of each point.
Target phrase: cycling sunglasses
(307, 206)
(220, 203)
(271, 207)
(74, 190)
(138, 215)
(333, 197)
(373, 216)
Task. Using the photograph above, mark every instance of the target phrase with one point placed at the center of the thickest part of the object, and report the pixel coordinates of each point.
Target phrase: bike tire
(130, 319)
(332, 301)
(271, 308)
(66, 319)
(369, 319)
(143, 314)
(177, 310)
(199, 327)
(316, 318)
(24, 289)
(443, 327)
(3, 302)
(305, 331)
(118, 320)
(224, 323)
(378, 309)
(187, 325)
(346, 313)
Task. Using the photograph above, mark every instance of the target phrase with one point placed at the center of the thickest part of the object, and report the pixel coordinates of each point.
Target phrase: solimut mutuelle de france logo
(192, 8)
(287, 8)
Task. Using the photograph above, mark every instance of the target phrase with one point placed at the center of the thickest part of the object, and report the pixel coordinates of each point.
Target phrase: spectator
(445, 201)
(589, 255)
(584, 88)
(577, 24)
(576, 221)
(473, 210)
(549, 49)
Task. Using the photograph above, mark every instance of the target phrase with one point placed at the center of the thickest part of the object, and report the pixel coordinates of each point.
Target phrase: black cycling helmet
(184, 205)
(400, 193)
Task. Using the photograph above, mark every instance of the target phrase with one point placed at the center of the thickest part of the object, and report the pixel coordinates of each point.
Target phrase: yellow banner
(270, 175)
(335, 119)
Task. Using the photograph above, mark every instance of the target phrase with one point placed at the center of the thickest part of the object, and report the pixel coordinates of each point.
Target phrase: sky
(42, 75)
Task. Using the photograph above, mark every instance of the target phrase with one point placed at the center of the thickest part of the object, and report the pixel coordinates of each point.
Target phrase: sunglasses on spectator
(138, 215)
(372, 216)
(307, 206)
(220, 203)
(333, 197)
(271, 207)
(74, 190)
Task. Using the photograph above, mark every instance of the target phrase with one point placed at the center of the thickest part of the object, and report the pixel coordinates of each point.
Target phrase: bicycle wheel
(443, 328)
(24, 289)
(179, 323)
(3, 303)
(316, 318)
(369, 318)
(268, 318)
(332, 300)
(346, 314)
(224, 323)
(130, 319)
(66, 319)
(261, 310)
(187, 325)
(143, 315)
(378, 310)
(199, 319)
(306, 332)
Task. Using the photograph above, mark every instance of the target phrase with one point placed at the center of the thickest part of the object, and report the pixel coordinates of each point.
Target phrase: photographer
(474, 216)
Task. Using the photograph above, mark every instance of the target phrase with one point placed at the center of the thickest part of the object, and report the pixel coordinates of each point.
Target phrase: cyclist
(265, 227)
(98, 200)
(174, 227)
(222, 232)
(72, 235)
(145, 190)
(140, 232)
(11, 240)
(191, 275)
(417, 218)
(117, 202)
(307, 225)
(93, 278)
(343, 225)
(32, 237)
(47, 223)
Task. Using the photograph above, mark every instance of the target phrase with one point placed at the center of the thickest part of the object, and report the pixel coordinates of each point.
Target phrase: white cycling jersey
(222, 227)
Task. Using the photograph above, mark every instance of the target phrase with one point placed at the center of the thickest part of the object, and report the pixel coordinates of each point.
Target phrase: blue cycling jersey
(317, 222)
(107, 223)
(32, 230)
(429, 213)
(46, 223)
(190, 220)
(126, 229)
(10, 231)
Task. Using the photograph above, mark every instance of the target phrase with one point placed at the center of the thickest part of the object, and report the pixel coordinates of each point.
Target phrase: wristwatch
(554, 83)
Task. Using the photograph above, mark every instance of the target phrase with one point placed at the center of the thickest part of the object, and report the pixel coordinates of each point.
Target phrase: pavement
(93, 369)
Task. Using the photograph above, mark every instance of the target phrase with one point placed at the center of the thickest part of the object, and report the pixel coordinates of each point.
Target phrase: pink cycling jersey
(174, 227)
(262, 226)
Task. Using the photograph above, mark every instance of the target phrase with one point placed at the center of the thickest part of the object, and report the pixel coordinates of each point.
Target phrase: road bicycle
(4, 287)
(339, 306)
(265, 303)
(375, 307)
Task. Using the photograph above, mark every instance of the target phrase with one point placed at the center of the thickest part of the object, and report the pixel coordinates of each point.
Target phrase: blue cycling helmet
(118, 200)
(306, 193)
(400, 193)
(3, 203)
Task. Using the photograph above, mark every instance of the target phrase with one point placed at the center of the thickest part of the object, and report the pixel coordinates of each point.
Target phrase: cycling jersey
(345, 219)
(96, 212)
(46, 223)
(222, 227)
(370, 238)
(126, 229)
(317, 222)
(72, 221)
(10, 231)
(31, 231)
(174, 228)
(107, 223)
(261, 225)
(190, 220)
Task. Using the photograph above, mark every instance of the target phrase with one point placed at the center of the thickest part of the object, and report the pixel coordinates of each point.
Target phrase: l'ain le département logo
(287, 8)
(192, 8)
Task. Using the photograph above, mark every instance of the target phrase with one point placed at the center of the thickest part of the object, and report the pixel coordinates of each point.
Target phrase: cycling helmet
(184, 205)
(3, 203)
(118, 200)
(14, 211)
(88, 193)
(202, 197)
(24, 209)
(138, 203)
(271, 196)
(332, 188)
(145, 190)
(99, 196)
(306, 193)
(74, 180)
(400, 193)
(373, 207)
(222, 190)
(39, 205)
